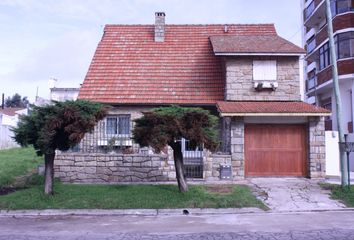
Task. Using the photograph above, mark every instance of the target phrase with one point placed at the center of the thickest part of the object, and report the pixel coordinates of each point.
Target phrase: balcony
(311, 45)
(315, 13)
(311, 83)
(345, 66)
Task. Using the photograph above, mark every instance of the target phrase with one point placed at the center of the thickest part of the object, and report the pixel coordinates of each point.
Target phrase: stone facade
(240, 84)
(317, 148)
(237, 148)
(113, 168)
(212, 163)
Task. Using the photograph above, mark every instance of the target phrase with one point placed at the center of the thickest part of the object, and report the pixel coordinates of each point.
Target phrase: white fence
(6, 140)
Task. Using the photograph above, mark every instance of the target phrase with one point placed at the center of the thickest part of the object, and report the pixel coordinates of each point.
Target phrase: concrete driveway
(293, 194)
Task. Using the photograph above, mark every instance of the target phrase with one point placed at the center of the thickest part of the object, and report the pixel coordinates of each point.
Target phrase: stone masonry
(240, 84)
(113, 168)
(237, 148)
(317, 149)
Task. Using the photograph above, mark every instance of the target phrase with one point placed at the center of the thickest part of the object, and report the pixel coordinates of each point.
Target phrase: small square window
(118, 125)
(265, 70)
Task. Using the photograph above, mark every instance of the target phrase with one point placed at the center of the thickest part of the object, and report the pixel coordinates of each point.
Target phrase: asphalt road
(309, 225)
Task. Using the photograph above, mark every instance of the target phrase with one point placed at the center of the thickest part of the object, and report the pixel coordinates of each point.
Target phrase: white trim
(257, 54)
(273, 114)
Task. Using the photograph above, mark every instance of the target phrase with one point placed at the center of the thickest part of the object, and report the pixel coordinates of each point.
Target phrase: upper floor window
(345, 45)
(264, 70)
(324, 56)
(341, 6)
(118, 125)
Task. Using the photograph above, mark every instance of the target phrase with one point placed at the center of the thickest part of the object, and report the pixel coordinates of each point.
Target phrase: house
(318, 70)
(63, 94)
(9, 118)
(244, 73)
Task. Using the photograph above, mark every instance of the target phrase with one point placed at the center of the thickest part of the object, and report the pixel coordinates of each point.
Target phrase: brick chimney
(159, 26)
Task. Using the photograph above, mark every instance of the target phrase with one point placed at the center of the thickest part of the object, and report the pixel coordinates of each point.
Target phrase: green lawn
(16, 162)
(345, 195)
(71, 196)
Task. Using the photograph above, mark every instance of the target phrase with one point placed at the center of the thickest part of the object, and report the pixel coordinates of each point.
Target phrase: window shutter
(265, 70)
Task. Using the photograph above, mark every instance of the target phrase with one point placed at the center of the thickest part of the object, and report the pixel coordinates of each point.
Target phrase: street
(305, 225)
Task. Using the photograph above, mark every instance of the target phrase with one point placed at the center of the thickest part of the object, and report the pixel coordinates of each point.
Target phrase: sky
(45, 39)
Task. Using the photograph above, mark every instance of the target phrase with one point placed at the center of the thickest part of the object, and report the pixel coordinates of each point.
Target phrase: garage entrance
(275, 150)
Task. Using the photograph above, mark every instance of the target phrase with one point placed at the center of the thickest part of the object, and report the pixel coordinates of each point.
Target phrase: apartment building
(318, 70)
(319, 84)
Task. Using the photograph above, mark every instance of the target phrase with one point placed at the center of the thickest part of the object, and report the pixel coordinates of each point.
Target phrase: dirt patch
(7, 190)
(222, 189)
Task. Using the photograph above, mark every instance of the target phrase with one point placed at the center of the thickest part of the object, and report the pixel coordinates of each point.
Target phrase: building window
(341, 6)
(265, 70)
(324, 56)
(118, 125)
(311, 80)
(345, 45)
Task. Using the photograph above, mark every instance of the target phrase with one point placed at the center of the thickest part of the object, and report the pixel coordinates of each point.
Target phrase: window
(324, 56)
(311, 80)
(345, 45)
(309, 10)
(118, 125)
(265, 70)
(341, 6)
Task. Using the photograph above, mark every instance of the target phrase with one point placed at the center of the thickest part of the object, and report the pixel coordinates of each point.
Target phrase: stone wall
(240, 84)
(212, 173)
(237, 147)
(113, 168)
(317, 148)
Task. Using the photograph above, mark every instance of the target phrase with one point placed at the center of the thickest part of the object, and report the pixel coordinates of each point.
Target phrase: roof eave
(239, 114)
(256, 54)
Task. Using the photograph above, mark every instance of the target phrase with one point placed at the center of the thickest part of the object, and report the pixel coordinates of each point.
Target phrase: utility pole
(342, 155)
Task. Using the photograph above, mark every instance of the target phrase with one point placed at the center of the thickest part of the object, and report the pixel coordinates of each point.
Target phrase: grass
(345, 195)
(71, 196)
(16, 162)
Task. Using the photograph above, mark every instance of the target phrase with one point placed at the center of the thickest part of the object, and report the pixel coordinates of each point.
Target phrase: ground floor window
(118, 125)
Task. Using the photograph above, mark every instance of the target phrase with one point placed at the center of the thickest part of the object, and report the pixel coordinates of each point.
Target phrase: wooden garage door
(275, 150)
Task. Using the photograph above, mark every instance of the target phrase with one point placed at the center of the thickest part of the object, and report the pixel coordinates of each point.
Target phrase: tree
(167, 125)
(60, 126)
(16, 101)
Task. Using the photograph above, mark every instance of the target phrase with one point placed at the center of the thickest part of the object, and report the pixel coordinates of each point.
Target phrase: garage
(275, 150)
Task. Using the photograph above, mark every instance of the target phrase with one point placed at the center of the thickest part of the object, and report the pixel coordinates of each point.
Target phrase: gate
(192, 160)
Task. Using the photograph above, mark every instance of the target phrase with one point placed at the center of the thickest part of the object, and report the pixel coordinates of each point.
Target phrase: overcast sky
(43, 39)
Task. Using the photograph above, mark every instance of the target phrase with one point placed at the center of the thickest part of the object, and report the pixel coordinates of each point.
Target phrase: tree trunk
(48, 173)
(178, 158)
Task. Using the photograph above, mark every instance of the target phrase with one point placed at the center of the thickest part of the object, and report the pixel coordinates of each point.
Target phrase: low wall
(73, 167)
(113, 168)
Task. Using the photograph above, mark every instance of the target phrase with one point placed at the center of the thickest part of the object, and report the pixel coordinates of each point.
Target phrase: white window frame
(264, 70)
(120, 135)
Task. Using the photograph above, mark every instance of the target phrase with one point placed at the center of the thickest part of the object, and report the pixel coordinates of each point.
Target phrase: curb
(153, 212)
(127, 212)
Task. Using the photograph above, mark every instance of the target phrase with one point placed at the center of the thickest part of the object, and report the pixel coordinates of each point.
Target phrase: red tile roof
(269, 108)
(130, 68)
(265, 44)
(10, 111)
